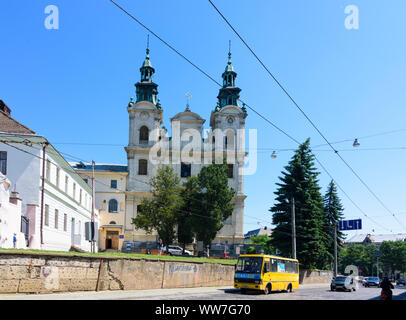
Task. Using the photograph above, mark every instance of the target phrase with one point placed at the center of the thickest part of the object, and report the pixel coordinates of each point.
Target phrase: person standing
(160, 246)
(14, 241)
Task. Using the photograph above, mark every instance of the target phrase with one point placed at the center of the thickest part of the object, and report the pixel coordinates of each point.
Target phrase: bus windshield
(249, 264)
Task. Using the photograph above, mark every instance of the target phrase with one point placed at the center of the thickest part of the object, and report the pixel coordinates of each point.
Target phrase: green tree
(360, 255)
(300, 182)
(186, 220)
(265, 243)
(333, 212)
(210, 201)
(161, 212)
(393, 256)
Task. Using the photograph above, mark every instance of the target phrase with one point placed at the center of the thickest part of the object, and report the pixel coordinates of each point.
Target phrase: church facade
(186, 151)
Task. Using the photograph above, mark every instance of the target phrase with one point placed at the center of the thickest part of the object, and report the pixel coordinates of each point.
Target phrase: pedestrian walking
(14, 241)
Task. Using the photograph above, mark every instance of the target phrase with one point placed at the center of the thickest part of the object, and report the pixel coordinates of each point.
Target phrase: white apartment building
(56, 201)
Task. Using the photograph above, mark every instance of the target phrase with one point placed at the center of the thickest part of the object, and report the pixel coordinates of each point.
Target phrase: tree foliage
(360, 255)
(161, 212)
(208, 198)
(264, 241)
(299, 181)
(333, 212)
(393, 256)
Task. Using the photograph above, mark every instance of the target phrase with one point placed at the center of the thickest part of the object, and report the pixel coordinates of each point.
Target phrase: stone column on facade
(132, 129)
(129, 213)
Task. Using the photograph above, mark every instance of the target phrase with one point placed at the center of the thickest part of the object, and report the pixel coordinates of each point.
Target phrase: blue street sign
(345, 225)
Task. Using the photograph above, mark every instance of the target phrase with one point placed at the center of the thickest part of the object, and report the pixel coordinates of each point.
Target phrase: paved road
(305, 292)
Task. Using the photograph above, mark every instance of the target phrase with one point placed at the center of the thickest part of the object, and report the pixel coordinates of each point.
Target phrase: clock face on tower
(144, 115)
(230, 120)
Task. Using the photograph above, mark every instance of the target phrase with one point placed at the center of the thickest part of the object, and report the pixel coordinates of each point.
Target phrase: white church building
(187, 151)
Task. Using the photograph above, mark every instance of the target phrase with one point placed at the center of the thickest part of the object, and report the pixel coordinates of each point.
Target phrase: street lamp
(356, 143)
(273, 155)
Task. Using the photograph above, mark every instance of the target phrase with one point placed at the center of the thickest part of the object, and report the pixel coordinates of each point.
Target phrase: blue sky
(72, 85)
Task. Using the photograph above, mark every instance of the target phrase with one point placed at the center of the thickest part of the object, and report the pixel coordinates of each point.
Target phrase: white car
(177, 251)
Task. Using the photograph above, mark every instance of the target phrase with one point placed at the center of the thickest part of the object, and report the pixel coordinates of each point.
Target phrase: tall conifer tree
(333, 212)
(300, 181)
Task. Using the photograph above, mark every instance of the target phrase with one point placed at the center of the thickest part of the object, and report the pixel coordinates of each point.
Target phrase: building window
(46, 220)
(113, 205)
(230, 171)
(58, 175)
(139, 209)
(185, 170)
(112, 222)
(56, 218)
(3, 162)
(65, 222)
(113, 184)
(142, 167)
(48, 172)
(66, 184)
(74, 190)
(80, 196)
(144, 134)
(86, 180)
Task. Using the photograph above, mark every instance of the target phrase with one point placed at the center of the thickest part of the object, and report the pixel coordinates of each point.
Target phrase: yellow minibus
(266, 273)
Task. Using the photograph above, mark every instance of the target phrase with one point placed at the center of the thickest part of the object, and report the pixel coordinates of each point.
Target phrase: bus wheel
(243, 291)
(268, 289)
(290, 288)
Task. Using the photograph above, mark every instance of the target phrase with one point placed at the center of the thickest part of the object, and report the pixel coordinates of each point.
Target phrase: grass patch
(120, 255)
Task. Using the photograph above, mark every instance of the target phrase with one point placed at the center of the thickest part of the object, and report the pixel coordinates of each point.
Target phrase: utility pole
(93, 224)
(293, 230)
(335, 250)
(377, 269)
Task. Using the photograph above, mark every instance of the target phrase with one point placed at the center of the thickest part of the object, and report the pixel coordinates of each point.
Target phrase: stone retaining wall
(316, 276)
(45, 273)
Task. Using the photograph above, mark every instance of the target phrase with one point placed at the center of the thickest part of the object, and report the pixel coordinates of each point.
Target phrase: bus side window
(267, 267)
(274, 266)
(295, 267)
(289, 267)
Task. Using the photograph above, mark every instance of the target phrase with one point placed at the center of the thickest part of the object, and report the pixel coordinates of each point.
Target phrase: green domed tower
(229, 93)
(147, 90)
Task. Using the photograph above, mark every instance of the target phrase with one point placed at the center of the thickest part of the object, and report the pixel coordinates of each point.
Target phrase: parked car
(364, 281)
(372, 282)
(345, 283)
(177, 251)
(401, 282)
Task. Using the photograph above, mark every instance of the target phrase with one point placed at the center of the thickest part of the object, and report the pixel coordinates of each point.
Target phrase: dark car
(401, 282)
(372, 282)
(343, 283)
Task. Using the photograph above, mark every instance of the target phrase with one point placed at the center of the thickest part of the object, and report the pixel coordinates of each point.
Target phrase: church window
(185, 170)
(144, 134)
(113, 205)
(113, 184)
(230, 171)
(142, 167)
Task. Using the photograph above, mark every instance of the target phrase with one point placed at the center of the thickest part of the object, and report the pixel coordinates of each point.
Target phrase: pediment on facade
(188, 116)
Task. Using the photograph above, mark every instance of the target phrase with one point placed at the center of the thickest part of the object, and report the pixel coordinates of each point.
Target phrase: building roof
(85, 166)
(258, 232)
(16, 139)
(378, 238)
(10, 125)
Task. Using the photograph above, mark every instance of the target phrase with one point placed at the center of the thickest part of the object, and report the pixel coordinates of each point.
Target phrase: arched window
(142, 167)
(113, 205)
(144, 134)
(112, 222)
